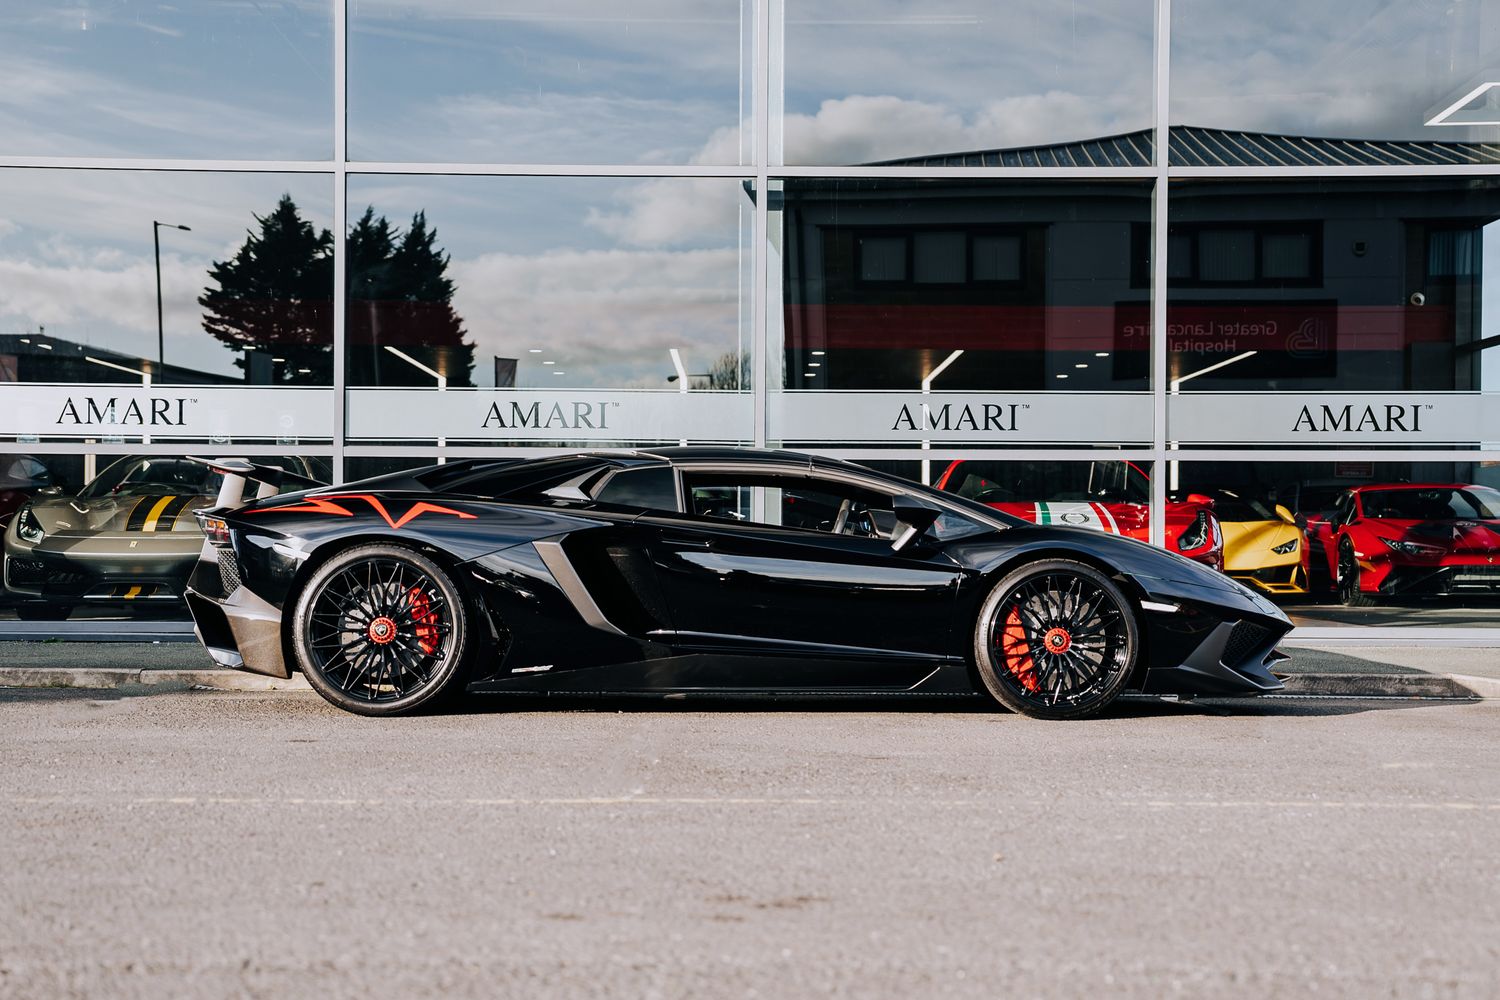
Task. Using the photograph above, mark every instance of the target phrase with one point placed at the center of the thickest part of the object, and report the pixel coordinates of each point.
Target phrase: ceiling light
(278, 360)
(1101, 354)
(559, 373)
(45, 347)
(549, 362)
(809, 374)
(815, 364)
(1060, 375)
(533, 350)
(819, 354)
(1080, 365)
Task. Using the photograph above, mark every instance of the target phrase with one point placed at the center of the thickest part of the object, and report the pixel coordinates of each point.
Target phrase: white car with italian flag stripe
(1113, 497)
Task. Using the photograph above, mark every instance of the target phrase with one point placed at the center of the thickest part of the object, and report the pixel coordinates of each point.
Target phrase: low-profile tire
(1056, 639)
(381, 630)
(1350, 596)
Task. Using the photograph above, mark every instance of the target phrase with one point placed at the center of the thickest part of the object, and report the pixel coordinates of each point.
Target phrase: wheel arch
(1040, 553)
(334, 546)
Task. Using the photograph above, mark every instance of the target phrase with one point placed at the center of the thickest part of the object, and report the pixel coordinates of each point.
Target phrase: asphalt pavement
(263, 844)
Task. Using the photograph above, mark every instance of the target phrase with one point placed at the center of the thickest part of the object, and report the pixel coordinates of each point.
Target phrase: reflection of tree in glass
(730, 371)
(274, 300)
(401, 296)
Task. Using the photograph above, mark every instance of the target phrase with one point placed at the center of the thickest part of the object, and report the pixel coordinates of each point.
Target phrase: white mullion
(760, 233)
(548, 169)
(127, 163)
(939, 173)
(340, 229)
(1335, 172)
(1160, 220)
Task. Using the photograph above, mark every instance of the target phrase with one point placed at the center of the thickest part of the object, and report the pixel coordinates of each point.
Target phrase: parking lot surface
(259, 844)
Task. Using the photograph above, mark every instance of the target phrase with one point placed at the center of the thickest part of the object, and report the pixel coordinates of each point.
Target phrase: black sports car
(706, 570)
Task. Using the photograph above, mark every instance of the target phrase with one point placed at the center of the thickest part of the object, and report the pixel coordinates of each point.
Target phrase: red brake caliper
(425, 620)
(1017, 652)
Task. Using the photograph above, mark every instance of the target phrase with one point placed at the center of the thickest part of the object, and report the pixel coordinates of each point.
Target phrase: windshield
(140, 474)
(1433, 504)
(1024, 482)
(1229, 506)
(137, 475)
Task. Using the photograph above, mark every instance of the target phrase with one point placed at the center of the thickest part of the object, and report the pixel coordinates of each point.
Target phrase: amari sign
(1393, 418)
(36, 411)
(506, 416)
(961, 417)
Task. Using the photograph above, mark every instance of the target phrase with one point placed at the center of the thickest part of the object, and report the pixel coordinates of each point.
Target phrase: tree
(274, 298)
(400, 296)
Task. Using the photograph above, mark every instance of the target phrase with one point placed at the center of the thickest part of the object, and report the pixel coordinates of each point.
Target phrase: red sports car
(1415, 539)
(1106, 496)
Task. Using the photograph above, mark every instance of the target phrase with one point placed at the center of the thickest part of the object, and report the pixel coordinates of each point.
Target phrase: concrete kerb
(1330, 685)
(110, 677)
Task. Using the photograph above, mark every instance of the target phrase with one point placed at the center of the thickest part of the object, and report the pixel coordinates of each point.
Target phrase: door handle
(688, 543)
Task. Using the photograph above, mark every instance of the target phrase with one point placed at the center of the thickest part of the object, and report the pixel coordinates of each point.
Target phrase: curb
(111, 677)
(1412, 685)
(1326, 685)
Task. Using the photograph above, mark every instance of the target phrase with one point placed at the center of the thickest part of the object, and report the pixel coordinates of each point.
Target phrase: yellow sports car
(1264, 545)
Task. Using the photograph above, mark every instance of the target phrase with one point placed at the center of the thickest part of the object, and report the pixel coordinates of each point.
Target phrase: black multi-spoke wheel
(1349, 593)
(380, 629)
(1056, 640)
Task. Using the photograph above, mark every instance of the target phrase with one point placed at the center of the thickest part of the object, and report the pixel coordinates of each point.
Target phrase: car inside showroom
(1147, 271)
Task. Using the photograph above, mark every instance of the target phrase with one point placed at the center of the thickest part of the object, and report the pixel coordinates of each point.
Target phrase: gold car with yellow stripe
(128, 538)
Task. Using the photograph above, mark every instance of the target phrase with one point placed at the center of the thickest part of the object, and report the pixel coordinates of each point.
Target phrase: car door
(737, 581)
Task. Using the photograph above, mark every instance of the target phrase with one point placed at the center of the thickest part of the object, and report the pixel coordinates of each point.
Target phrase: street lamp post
(161, 340)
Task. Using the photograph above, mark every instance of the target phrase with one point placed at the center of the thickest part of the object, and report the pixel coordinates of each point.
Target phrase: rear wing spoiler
(239, 473)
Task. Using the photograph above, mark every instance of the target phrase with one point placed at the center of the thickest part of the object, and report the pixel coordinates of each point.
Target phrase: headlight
(1285, 547)
(28, 527)
(1195, 535)
(1413, 548)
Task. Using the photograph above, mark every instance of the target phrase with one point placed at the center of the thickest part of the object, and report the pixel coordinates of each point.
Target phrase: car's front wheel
(381, 629)
(1350, 594)
(1056, 639)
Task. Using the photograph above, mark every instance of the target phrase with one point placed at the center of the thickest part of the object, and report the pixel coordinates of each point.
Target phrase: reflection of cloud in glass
(577, 81)
(574, 266)
(213, 78)
(880, 80)
(76, 254)
(1374, 69)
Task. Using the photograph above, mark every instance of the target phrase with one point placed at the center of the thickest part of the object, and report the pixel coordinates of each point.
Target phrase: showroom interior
(1222, 278)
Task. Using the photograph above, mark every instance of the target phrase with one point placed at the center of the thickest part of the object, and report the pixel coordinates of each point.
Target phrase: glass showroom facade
(1214, 275)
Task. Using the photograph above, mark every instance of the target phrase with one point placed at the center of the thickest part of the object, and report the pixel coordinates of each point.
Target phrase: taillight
(215, 529)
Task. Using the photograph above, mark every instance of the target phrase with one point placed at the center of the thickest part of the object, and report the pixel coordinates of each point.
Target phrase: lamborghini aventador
(704, 570)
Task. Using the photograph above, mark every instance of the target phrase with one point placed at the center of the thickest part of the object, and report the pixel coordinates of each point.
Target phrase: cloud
(112, 306)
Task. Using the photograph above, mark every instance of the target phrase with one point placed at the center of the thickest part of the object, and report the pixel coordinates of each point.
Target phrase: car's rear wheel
(1349, 593)
(1056, 639)
(380, 630)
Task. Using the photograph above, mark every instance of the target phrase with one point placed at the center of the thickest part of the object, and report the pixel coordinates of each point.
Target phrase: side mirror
(1199, 498)
(1285, 514)
(913, 518)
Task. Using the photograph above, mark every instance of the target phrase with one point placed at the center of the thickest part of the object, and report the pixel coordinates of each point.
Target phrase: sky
(614, 271)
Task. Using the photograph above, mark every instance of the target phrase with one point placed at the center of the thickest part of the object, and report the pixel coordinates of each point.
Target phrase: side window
(791, 502)
(643, 489)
